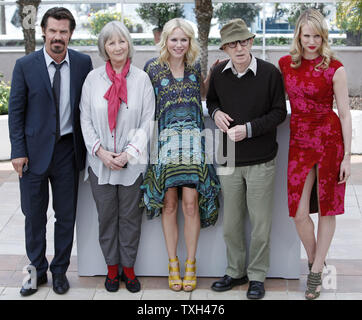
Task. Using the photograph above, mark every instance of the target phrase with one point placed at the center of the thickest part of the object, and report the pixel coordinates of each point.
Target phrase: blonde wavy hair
(317, 22)
(193, 51)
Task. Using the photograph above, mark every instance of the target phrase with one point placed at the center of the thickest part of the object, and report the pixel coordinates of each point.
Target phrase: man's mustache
(57, 41)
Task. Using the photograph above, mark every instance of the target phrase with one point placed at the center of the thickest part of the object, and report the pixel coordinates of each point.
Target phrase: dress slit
(314, 199)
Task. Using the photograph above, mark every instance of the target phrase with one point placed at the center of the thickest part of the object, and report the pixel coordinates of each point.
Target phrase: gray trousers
(248, 189)
(119, 217)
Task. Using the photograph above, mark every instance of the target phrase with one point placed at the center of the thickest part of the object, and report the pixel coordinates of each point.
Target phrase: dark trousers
(34, 189)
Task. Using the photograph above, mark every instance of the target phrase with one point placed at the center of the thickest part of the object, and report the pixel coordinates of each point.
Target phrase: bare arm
(341, 94)
(205, 82)
(204, 86)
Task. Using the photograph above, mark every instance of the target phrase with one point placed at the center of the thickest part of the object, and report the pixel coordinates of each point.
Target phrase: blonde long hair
(317, 22)
(193, 51)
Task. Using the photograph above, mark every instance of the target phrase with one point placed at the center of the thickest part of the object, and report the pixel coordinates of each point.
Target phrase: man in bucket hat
(246, 100)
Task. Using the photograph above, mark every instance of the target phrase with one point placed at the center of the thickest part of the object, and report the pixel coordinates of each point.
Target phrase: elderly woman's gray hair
(109, 30)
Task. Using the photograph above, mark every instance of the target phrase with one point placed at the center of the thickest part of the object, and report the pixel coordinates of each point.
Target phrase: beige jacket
(134, 124)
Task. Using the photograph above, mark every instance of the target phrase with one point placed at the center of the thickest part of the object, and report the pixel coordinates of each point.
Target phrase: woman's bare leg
(169, 226)
(326, 229)
(304, 224)
(190, 207)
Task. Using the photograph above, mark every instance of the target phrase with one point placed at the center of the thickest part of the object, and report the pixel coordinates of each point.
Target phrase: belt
(66, 136)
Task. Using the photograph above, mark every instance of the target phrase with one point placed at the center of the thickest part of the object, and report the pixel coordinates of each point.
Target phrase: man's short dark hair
(58, 13)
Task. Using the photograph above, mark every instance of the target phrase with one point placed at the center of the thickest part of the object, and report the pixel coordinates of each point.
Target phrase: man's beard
(57, 49)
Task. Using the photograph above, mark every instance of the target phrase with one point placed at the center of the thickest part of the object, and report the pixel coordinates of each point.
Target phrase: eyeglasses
(234, 44)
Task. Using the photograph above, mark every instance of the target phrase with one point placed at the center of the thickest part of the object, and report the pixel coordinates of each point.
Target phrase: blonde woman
(320, 141)
(178, 165)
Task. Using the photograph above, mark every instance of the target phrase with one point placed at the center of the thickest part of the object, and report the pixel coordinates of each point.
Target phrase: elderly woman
(179, 165)
(117, 109)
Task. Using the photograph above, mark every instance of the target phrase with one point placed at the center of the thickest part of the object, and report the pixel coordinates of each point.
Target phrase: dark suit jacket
(32, 113)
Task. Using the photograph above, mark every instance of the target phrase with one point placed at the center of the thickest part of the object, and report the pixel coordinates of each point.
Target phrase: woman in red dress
(320, 141)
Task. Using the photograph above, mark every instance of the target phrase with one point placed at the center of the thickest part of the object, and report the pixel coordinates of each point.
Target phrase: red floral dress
(315, 135)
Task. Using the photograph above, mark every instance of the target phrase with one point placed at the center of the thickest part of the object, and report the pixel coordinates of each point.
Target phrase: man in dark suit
(47, 143)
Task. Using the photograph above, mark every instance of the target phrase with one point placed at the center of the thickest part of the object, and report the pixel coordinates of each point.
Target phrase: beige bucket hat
(234, 30)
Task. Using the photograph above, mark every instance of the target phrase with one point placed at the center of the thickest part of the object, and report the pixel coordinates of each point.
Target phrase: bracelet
(347, 154)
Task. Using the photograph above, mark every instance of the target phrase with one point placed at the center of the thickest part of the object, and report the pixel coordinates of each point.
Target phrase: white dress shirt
(252, 66)
(65, 112)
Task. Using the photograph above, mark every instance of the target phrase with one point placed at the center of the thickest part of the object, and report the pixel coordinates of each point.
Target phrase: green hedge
(4, 96)
(99, 19)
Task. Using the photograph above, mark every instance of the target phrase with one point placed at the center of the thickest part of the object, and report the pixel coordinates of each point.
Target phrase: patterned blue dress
(178, 147)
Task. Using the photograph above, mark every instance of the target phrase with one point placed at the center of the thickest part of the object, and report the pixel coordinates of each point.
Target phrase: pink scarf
(117, 92)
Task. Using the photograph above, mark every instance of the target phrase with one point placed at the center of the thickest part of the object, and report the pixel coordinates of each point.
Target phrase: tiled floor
(342, 280)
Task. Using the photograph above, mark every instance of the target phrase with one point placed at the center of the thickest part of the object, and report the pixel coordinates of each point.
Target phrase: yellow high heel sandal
(189, 281)
(174, 279)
